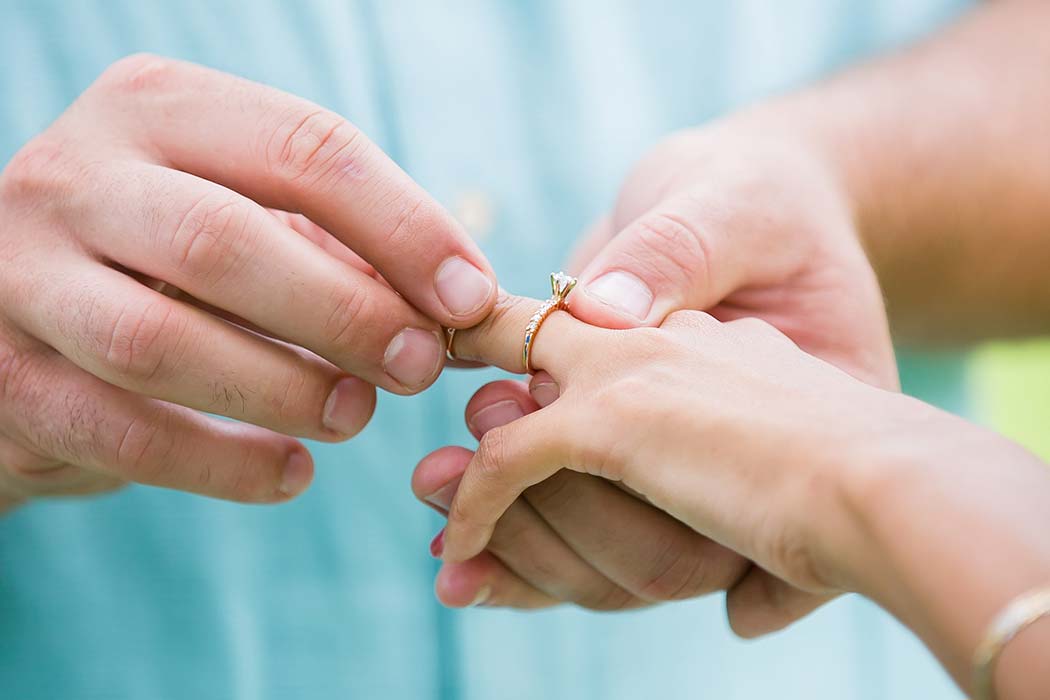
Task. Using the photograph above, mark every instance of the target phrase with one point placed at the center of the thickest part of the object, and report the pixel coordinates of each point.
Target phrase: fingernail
(495, 415)
(346, 405)
(297, 473)
(437, 545)
(545, 393)
(442, 498)
(413, 357)
(624, 292)
(481, 597)
(461, 287)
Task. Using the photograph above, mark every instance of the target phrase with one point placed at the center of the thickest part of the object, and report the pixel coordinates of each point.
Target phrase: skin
(780, 213)
(818, 478)
(181, 240)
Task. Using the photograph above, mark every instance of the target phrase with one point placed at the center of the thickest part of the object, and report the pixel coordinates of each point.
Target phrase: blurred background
(522, 118)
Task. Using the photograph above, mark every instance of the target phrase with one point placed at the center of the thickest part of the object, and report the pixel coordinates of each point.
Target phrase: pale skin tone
(813, 207)
(153, 269)
(826, 483)
(952, 213)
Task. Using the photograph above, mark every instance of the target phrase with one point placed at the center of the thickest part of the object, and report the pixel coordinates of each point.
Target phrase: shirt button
(476, 210)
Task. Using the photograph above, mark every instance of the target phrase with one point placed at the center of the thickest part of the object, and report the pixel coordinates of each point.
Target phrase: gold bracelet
(1017, 615)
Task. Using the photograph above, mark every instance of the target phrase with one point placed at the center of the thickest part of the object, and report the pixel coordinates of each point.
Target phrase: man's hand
(181, 241)
(739, 225)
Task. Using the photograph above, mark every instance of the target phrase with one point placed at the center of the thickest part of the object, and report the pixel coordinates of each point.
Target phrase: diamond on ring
(561, 285)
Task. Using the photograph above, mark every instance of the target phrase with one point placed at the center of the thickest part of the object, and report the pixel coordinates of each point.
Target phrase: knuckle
(212, 238)
(790, 555)
(141, 342)
(462, 513)
(295, 394)
(318, 148)
(71, 427)
(37, 174)
(677, 574)
(490, 457)
(351, 308)
(690, 320)
(670, 248)
(139, 72)
(419, 219)
(146, 450)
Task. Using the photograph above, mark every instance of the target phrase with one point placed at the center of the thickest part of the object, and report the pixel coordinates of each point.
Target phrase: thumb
(672, 257)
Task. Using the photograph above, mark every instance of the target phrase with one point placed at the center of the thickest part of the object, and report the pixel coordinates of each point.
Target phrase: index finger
(287, 153)
(500, 339)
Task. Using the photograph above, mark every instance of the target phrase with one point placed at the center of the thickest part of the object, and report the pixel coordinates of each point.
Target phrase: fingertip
(465, 584)
(348, 409)
(466, 290)
(297, 474)
(439, 468)
(543, 389)
(615, 299)
(414, 359)
(496, 404)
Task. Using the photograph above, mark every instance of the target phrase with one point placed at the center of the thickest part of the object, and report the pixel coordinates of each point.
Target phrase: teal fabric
(544, 106)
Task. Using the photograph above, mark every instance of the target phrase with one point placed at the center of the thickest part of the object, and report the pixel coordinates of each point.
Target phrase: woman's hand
(571, 538)
(826, 483)
(728, 427)
(150, 271)
(734, 219)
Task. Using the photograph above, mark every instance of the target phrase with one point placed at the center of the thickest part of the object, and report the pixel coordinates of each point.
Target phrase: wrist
(947, 523)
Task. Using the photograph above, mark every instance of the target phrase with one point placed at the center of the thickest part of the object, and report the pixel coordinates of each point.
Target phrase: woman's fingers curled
(509, 459)
(485, 581)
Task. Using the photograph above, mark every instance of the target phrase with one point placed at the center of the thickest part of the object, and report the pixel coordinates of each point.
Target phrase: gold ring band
(561, 285)
(450, 337)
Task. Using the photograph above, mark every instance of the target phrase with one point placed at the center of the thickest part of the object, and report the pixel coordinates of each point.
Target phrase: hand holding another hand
(734, 220)
(727, 427)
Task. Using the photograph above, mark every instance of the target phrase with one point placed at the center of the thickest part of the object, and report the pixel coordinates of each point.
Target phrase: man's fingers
(675, 256)
(79, 419)
(509, 459)
(642, 549)
(323, 240)
(761, 603)
(26, 474)
(290, 154)
(143, 341)
(560, 345)
(227, 251)
(485, 581)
